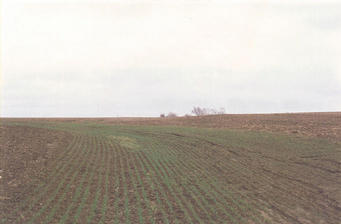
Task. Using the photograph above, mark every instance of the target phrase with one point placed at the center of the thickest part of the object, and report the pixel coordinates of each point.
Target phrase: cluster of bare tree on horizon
(198, 111)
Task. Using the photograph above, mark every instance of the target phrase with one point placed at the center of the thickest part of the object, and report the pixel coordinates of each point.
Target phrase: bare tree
(162, 115)
(198, 111)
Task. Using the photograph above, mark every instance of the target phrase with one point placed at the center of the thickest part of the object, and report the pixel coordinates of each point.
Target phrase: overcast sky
(143, 58)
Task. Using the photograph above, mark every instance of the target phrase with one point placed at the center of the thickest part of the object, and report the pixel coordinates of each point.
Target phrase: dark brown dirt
(26, 156)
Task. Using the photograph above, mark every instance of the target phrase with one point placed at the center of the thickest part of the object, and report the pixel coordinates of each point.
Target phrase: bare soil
(26, 155)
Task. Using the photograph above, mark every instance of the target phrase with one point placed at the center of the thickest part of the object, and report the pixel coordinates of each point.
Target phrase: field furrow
(63, 185)
(113, 173)
(56, 167)
(81, 192)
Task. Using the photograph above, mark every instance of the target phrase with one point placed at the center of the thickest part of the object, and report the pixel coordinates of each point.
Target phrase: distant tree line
(198, 111)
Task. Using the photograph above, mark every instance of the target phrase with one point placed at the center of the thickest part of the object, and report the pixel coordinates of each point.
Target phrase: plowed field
(93, 172)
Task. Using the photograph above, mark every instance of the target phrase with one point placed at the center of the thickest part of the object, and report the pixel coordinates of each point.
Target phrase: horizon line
(178, 116)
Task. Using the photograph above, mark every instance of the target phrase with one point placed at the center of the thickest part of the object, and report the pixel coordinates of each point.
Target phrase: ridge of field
(107, 172)
(314, 124)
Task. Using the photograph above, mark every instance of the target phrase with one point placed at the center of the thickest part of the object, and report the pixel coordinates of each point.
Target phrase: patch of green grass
(125, 141)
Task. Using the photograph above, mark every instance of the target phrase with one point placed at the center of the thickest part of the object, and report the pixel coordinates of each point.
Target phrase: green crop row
(73, 172)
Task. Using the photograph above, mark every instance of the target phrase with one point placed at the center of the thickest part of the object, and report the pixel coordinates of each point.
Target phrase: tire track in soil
(180, 195)
(199, 209)
(282, 178)
(261, 202)
(153, 194)
(173, 191)
(193, 155)
(278, 185)
(167, 195)
(214, 212)
(223, 204)
(133, 161)
(312, 198)
(203, 197)
(232, 169)
(200, 160)
(229, 203)
(176, 193)
(204, 214)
